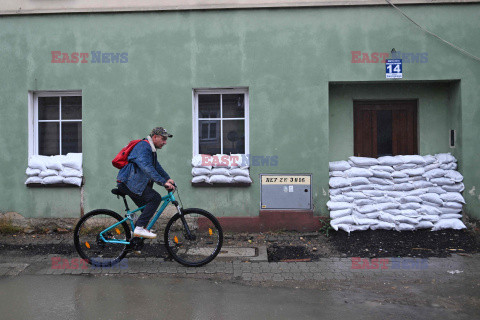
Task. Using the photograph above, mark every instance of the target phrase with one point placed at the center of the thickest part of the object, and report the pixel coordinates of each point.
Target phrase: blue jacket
(141, 168)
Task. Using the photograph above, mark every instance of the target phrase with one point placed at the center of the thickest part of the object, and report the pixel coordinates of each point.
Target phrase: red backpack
(121, 160)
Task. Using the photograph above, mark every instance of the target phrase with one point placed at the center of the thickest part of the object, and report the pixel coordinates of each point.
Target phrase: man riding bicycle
(137, 177)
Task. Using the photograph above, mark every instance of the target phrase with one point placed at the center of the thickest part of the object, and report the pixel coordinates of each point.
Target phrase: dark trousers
(149, 197)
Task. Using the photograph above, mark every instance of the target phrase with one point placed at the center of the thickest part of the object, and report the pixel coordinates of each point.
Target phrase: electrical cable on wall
(431, 33)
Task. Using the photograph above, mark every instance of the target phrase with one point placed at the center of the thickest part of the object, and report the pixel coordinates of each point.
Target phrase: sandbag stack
(396, 193)
(55, 169)
(220, 168)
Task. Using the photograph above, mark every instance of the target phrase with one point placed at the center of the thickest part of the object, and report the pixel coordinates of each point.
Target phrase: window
(220, 121)
(57, 123)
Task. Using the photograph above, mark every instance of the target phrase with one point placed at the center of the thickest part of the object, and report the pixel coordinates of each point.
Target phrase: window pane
(71, 137)
(48, 108)
(48, 139)
(384, 133)
(233, 106)
(233, 136)
(209, 139)
(209, 106)
(71, 108)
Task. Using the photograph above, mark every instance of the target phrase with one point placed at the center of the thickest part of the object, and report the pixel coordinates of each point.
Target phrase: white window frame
(33, 116)
(195, 128)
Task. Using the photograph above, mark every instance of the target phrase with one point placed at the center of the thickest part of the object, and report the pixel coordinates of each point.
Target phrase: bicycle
(193, 237)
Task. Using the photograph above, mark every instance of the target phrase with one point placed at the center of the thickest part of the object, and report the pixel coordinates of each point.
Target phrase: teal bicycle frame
(166, 200)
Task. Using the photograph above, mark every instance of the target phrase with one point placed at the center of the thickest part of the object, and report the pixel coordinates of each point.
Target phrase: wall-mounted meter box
(286, 191)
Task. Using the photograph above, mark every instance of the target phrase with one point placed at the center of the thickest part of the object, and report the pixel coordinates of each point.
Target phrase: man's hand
(170, 181)
(169, 186)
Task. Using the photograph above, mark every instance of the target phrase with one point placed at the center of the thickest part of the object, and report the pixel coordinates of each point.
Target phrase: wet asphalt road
(126, 297)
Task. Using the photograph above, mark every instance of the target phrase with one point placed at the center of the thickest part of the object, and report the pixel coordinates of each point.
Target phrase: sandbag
(380, 181)
(33, 180)
(32, 172)
(358, 172)
(454, 175)
(200, 171)
(363, 161)
(199, 179)
(434, 173)
(432, 197)
(451, 216)
(424, 225)
(388, 169)
(442, 181)
(383, 225)
(390, 161)
(37, 162)
(55, 162)
(337, 182)
(431, 217)
(455, 224)
(452, 196)
(73, 160)
(356, 181)
(70, 172)
(73, 180)
(445, 158)
(339, 165)
(414, 172)
(340, 213)
(52, 179)
(415, 159)
(47, 173)
(381, 174)
(220, 171)
(458, 187)
(242, 179)
(339, 205)
(404, 227)
(220, 179)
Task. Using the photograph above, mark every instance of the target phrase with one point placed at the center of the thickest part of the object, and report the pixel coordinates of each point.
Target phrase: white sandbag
(415, 159)
(52, 179)
(380, 181)
(47, 173)
(358, 172)
(332, 205)
(424, 225)
(404, 227)
(388, 169)
(442, 181)
(363, 202)
(422, 184)
(445, 158)
(242, 179)
(356, 195)
(387, 205)
(344, 227)
(73, 160)
(429, 210)
(334, 192)
(32, 172)
(342, 220)
(452, 196)
(202, 161)
(404, 166)
(385, 188)
(70, 172)
(448, 166)
(407, 199)
(451, 216)
(402, 219)
(341, 198)
(434, 173)
(414, 172)
(362, 221)
(429, 159)
(37, 162)
(336, 174)
(387, 217)
(399, 174)
(404, 187)
(337, 182)
(367, 208)
(411, 205)
(437, 190)
(432, 166)
(363, 187)
(383, 199)
(458, 187)
(33, 180)
(356, 181)
(199, 171)
(220, 179)
(370, 215)
(73, 180)
(432, 197)
(395, 194)
(383, 226)
(454, 175)
(374, 193)
(340, 213)
(390, 161)
(416, 192)
(431, 217)
(409, 213)
(363, 161)
(455, 224)
(55, 162)
(453, 205)
(339, 165)
(359, 227)
(220, 171)
(381, 174)
(431, 204)
(199, 179)
(445, 210)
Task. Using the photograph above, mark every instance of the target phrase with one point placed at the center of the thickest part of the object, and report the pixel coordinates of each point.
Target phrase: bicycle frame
(166, 200)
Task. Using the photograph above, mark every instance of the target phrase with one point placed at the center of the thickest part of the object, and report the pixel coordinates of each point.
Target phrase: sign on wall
(286, 191)
(393, 68)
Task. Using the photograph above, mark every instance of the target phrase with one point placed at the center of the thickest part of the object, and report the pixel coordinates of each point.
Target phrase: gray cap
(160, 131)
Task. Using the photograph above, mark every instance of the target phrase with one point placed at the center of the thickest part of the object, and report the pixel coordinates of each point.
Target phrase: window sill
(221, 185)
(53, 185)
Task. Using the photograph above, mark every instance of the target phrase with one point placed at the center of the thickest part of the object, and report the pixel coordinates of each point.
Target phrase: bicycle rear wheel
(89, 243)
(203, 243)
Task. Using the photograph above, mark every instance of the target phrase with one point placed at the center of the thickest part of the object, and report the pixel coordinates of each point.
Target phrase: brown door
(385, 128)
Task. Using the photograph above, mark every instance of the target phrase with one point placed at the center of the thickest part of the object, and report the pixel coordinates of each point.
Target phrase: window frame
(221, 91)
(33, 144)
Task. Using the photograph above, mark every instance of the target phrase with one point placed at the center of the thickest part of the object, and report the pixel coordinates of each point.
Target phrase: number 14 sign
(393, 68)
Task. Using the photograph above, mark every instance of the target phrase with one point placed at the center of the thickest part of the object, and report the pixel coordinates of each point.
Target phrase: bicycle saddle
(118, 192)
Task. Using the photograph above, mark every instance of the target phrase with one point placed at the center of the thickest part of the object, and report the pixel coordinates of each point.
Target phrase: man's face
(159, 141)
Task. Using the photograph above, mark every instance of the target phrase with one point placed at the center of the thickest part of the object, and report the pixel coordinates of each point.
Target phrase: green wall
(286, 57)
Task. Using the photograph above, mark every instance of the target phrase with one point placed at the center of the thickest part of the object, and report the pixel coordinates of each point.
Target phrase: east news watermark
(240, 160)
(61, 263)
(381, 57)
(89, 57)
(389, 263)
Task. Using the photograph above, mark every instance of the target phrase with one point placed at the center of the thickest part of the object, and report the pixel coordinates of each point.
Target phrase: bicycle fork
(189, 234)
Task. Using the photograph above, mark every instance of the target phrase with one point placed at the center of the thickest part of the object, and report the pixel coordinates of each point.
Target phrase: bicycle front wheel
(91, 239)
(193, 238)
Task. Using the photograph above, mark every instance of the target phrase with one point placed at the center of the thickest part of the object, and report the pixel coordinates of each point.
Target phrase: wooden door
(385, 128)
